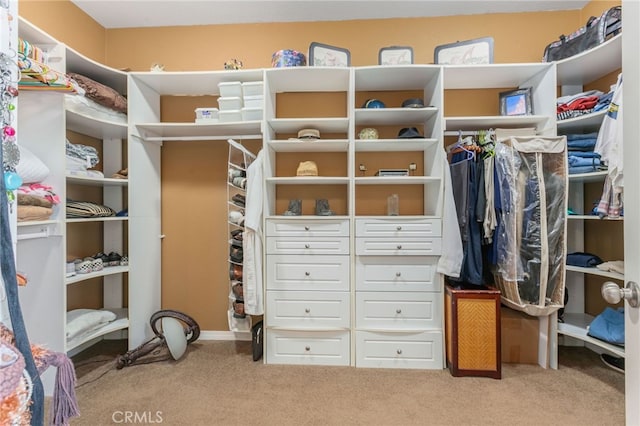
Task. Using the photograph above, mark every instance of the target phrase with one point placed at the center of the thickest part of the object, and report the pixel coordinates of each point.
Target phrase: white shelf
(575, 325)
(293, 125)
(308, 180)
(394, 116)
(95, 127)
(395, 77)
(321, 145)
(98, 219)
(491, 76)
(383, 145)
(593, 217)
(193, 83)
(587, 122)
(595, 271)
(587, 66)
(306, 217)
(80, 64)
(89, 181)
(38, 223)
(482, 122)
(196, 131)
(588, 177)
(120, 323)
(109, 270)
(308, 79)
(396, 180)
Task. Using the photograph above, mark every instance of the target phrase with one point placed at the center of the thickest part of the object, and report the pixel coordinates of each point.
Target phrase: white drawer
(288, 272)
(303, 245)
(307, 347)
(307, 227)
(398, 247)
(399, 227)
(308, 309)
(398, 311)
(399, 350)
(403, 273)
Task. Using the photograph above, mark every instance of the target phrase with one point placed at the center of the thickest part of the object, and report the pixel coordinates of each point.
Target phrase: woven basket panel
(448, 325)
(477, 340)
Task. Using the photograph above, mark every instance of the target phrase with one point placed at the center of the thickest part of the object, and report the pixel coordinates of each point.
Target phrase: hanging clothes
(252, 243)
(465, 184)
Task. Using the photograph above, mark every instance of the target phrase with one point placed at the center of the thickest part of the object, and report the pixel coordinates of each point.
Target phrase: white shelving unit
(541, 78)
(45, 119)
(147, 133)
(572, 74)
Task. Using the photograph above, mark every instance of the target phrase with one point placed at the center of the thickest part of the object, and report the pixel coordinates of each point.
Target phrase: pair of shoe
(236, 254)
(234, 173)
(87, 265)
(238, 200)
(237, 235)
(236, 218)
(235, 272)
(112, 259)
(322, 208)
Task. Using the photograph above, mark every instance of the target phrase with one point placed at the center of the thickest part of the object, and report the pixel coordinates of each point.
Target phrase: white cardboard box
(253, 101)
(229, 116)
(252, 88)
(251, 114)
(229, 89)
(230, 103)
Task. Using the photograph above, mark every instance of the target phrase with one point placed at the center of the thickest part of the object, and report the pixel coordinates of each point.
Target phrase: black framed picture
(395, 55)
(516, 102)
(468, 52)
(323, 55)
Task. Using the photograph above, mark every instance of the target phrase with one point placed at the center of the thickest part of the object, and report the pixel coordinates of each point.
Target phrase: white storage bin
(230, 104)
(206, 114)
(228, 116)
(252, 88)
(250, 114)
(253, 101)
(230, 89)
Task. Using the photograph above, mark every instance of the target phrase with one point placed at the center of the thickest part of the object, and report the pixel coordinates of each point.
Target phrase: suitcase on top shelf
(596, 31)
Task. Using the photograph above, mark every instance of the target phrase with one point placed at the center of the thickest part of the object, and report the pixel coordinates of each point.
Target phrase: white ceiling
(159, 13)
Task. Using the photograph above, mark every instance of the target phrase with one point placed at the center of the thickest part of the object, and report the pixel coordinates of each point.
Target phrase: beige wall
(194, 265)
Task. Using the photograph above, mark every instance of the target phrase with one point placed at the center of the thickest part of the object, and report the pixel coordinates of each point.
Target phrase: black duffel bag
(596, 31)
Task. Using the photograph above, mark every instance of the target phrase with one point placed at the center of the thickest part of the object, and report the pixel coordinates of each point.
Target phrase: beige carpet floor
(217, 383)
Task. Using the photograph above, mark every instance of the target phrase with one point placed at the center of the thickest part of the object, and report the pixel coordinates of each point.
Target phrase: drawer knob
(399, 247)
(398, 228)
(398, 274)
(307, 273)
(307, 348)
(399, 351)
(307, 310)
(306, 228)
(307, 246)
(398, 311)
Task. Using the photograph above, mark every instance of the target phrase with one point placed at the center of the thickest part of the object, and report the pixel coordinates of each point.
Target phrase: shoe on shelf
(295, 208)
(614, 362)
(322, 208)
(83, 266)
(114, 259)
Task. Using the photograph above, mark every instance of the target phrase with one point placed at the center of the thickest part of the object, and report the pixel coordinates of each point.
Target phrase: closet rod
(468, 132)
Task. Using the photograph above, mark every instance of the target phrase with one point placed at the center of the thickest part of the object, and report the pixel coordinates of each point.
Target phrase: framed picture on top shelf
(516, 102)
(395, 55)
(468, 52)
(323, 55)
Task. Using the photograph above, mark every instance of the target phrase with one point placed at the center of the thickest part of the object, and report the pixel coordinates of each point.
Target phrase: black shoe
(617, 363)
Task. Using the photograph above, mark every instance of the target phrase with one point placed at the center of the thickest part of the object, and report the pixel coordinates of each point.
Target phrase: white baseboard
(225, 335)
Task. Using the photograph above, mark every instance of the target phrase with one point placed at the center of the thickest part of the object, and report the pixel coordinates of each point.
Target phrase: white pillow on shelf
(30, 168)
(82, 320)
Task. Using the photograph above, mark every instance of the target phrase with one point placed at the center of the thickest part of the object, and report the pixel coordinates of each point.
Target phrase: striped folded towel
(81, 209)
